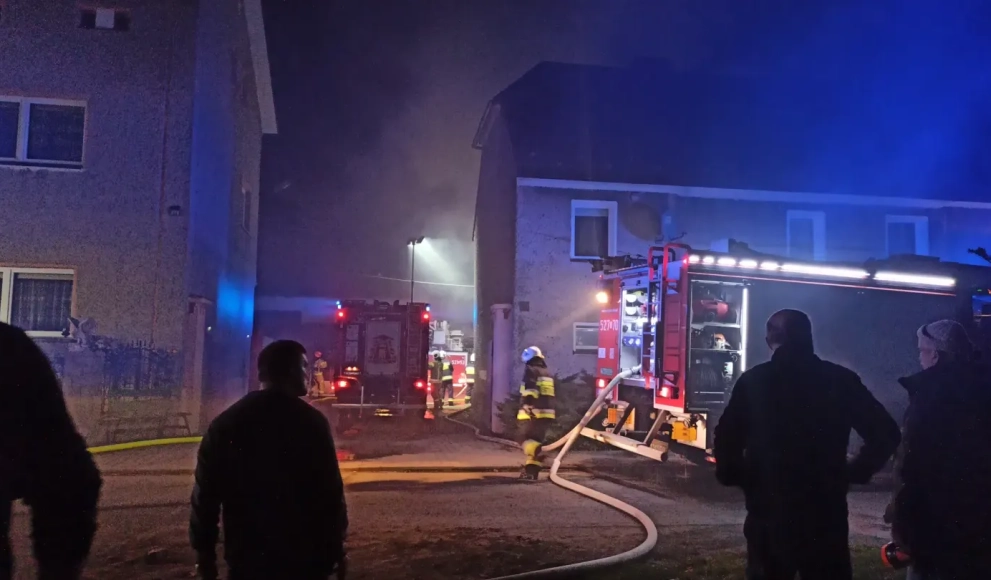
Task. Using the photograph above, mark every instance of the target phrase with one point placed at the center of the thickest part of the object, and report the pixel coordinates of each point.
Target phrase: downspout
(162, 191)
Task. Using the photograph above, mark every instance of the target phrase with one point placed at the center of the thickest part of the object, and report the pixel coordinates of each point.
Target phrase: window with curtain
(41, 302)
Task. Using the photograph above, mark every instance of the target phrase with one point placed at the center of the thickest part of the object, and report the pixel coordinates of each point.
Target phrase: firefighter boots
(530, 472)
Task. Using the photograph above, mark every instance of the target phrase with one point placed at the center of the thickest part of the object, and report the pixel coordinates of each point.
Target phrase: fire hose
(565, 444)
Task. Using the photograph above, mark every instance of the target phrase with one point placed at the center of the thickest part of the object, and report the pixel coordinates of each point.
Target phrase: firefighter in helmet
(536, 412)
(446, 378)
(442, 375)
(317, 379)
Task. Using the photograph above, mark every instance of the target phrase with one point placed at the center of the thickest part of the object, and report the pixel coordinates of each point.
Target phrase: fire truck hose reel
(566, 442)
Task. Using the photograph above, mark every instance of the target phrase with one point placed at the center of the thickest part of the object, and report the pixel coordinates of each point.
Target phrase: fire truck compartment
(867, 329)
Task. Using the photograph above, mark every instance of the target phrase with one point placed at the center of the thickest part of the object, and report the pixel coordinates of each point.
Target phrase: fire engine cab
(689, 323)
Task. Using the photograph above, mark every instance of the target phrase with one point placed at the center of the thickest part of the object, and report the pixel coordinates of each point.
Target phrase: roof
(652, 125)
(259, 57)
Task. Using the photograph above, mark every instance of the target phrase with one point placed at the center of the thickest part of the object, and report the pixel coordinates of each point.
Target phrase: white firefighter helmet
(531, 352)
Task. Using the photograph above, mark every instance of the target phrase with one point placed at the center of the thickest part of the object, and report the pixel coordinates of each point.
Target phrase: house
(582, 162)
(130, 144)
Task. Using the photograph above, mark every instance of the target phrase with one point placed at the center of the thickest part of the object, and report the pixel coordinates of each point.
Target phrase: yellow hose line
(140, 444)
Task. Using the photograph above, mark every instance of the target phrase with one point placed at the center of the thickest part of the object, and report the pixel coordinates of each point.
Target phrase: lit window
(38, 300)
(42, 132)
(593, 229)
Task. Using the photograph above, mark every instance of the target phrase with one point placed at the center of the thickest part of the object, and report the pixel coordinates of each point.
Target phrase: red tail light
(340, 315)
(419, 384)
(341, 384)
(426, 317)
(602, 383)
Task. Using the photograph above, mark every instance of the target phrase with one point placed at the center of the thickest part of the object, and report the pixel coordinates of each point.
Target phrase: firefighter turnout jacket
(537, 394)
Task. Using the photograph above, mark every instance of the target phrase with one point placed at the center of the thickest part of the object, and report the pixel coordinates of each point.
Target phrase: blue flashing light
(428, 308)
(338, 304)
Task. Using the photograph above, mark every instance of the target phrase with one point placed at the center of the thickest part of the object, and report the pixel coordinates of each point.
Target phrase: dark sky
(378, 101)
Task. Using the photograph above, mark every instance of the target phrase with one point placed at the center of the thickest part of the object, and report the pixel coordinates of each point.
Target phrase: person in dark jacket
(269, 464)
(43, 460)
(537, 410)
(783, 438)
(941, 511)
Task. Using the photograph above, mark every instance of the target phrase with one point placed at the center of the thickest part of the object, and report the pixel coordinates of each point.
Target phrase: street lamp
(413, 243)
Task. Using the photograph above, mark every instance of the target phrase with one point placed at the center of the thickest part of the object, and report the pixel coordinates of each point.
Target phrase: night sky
(378, 101)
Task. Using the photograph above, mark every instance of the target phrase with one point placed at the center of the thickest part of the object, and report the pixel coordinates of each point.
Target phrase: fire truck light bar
(823, 271)
(918, 279)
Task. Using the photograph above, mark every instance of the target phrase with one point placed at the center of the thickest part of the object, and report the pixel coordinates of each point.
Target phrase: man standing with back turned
(783, 438)
(260, 460)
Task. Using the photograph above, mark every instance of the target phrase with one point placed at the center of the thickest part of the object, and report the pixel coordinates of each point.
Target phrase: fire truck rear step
(654, 446)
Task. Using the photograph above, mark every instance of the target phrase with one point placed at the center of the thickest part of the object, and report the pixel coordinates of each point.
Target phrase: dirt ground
(456, 525)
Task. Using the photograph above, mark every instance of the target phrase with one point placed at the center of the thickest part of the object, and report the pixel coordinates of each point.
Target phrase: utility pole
(413, 243)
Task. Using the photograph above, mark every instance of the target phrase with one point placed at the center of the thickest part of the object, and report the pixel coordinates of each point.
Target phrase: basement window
(104, 19)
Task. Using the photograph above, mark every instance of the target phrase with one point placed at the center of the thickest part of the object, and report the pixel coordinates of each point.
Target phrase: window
(246, 214)
(586, 337)
(42, 132)
(104, 18)
(805, 234)
(39, 300)
(906, 234)
(593, 229)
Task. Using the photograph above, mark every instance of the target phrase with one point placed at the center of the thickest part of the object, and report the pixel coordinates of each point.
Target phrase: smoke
(378, 103)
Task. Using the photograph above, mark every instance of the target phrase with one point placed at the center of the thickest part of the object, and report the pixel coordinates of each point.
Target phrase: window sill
(50, 334)
(40, 165)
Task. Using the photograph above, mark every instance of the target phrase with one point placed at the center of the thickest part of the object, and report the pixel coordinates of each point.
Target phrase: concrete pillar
(191, 398)
(501, 361)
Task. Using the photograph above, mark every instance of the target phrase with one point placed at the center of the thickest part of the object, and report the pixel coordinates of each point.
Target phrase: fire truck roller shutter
(870, 331)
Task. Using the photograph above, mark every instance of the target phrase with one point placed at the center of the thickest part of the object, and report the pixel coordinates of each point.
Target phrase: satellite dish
(642, 220)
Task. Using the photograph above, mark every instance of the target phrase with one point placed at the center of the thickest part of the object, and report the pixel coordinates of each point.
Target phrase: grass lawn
(728, 564)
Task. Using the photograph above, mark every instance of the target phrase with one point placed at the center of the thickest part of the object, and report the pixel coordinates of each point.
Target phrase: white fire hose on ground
(566, 442)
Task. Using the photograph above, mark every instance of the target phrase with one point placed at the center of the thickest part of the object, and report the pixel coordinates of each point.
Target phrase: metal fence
(138, 370)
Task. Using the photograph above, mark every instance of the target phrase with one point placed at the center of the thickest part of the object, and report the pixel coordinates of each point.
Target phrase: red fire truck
(382, 357)
(693, 321)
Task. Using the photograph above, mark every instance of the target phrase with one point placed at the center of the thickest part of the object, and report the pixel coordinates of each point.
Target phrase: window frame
(574, 338)
(247, 207)
(7, 275)
(20, 158)
(818, 219)
(612, 213)
(921, 223)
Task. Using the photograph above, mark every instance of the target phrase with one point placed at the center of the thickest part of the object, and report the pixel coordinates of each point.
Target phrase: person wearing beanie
(944, 340)
(941, 510)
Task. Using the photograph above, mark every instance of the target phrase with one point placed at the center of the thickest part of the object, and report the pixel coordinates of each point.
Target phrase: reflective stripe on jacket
(536, 394)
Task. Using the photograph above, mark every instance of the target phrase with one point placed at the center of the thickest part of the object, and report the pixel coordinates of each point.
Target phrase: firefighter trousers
(447, 391)
(534, 432)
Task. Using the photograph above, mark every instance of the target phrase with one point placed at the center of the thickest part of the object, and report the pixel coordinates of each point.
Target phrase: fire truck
(382, 359)
(688, 323)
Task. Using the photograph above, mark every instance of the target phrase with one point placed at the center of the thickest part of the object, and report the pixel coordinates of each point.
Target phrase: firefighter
(445, 372)
(536, 412)
(318, 380)
(447, 379)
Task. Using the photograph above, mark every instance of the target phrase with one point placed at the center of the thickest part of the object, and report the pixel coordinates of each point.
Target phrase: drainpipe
(163, 188)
